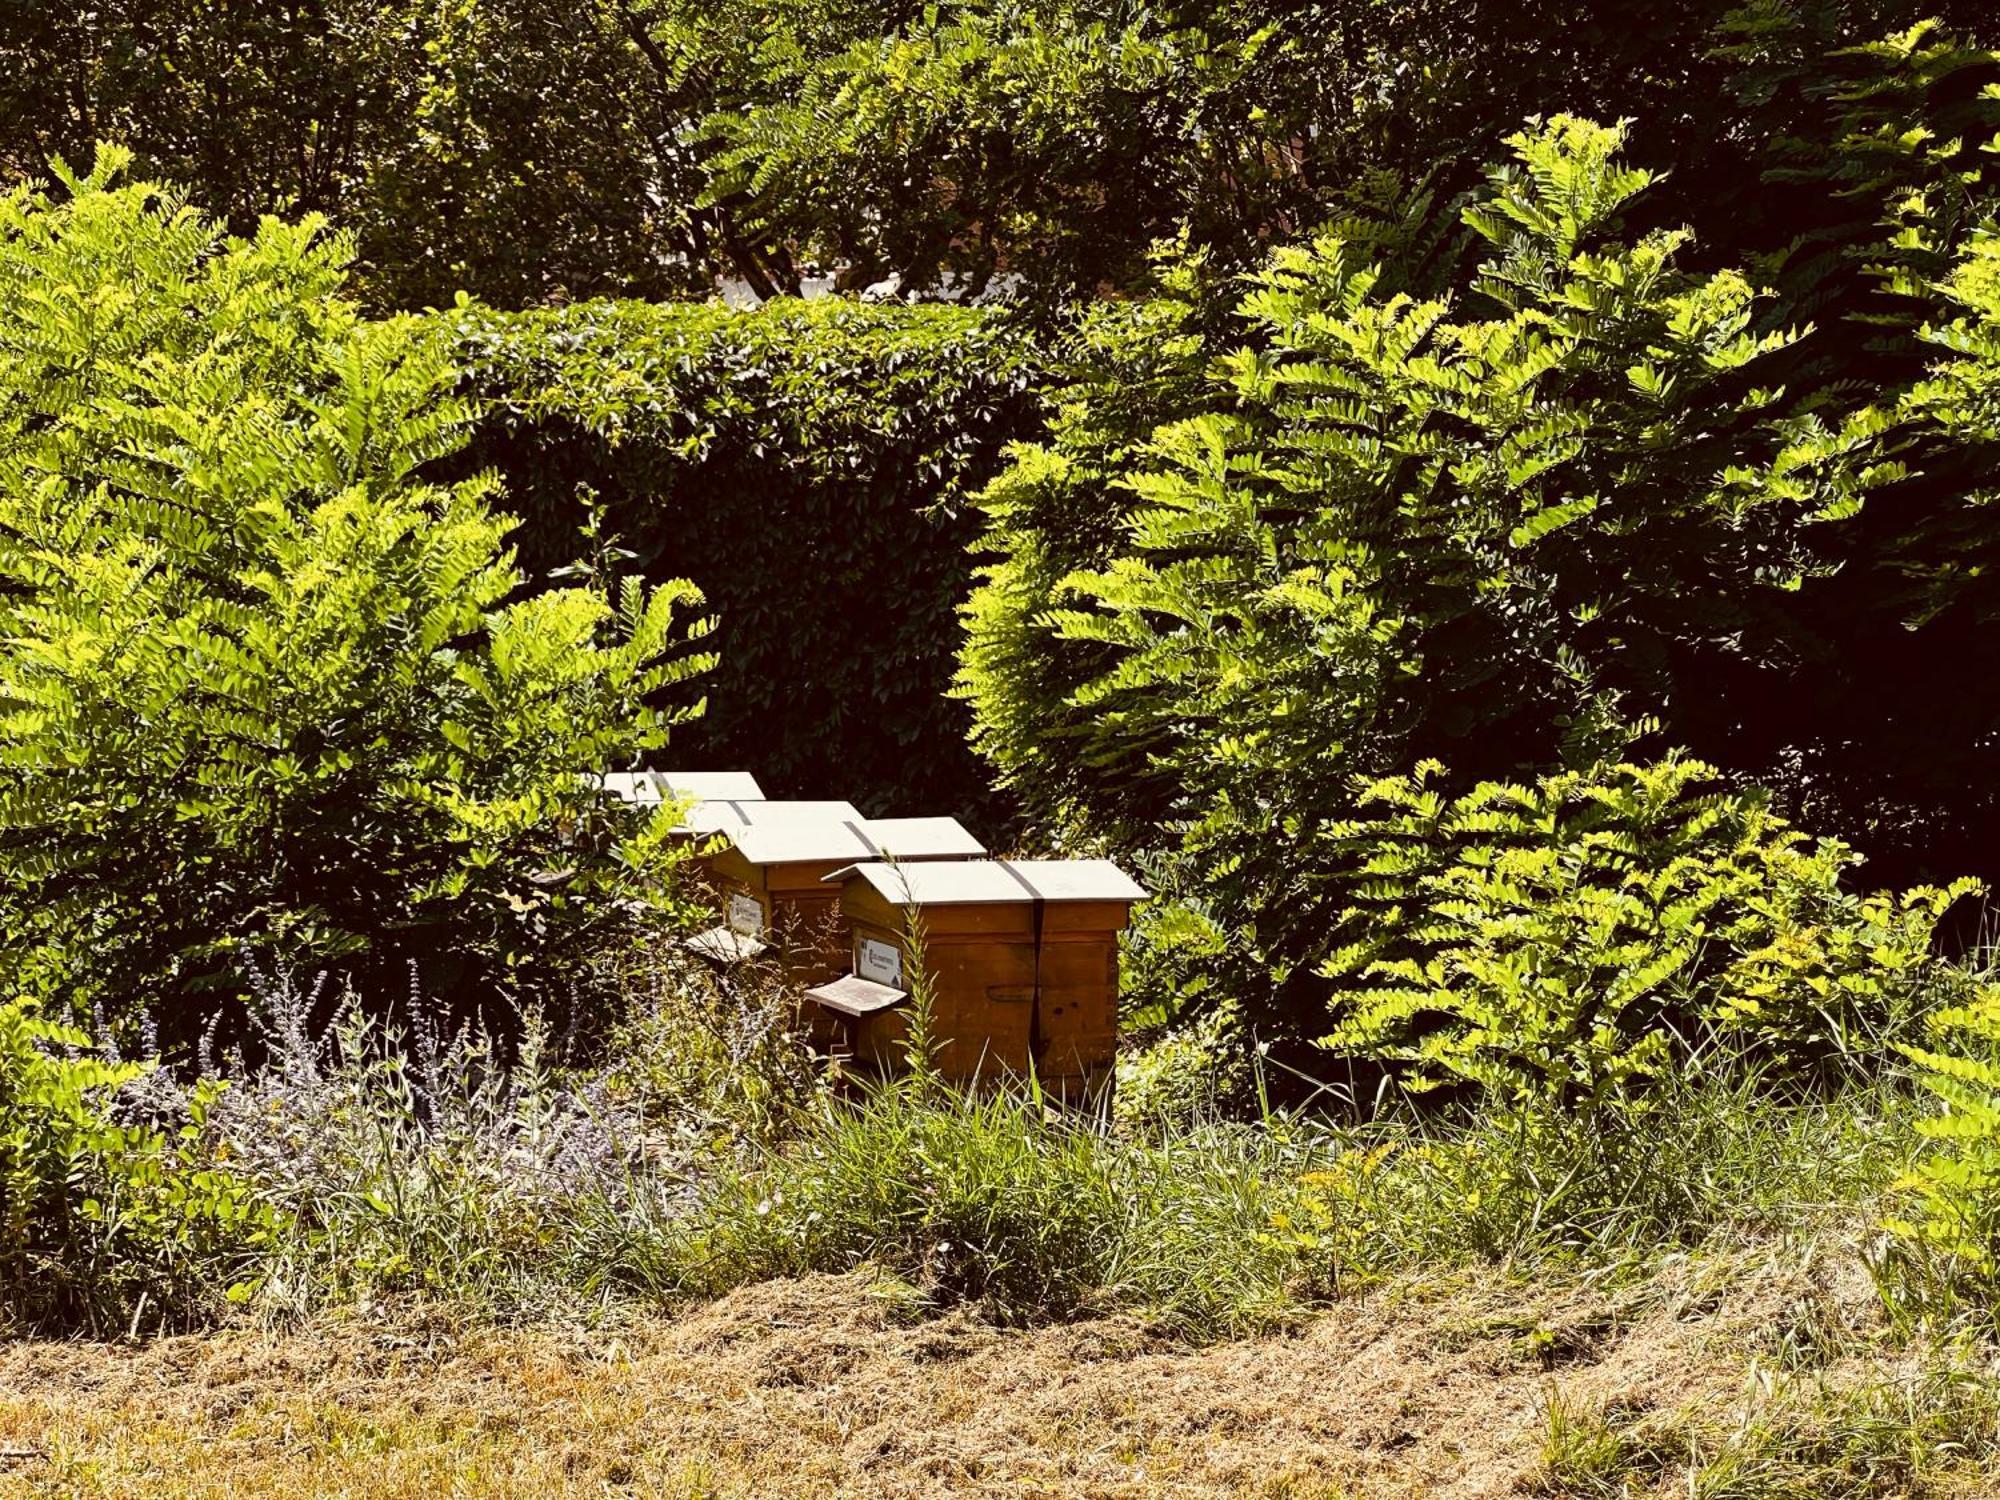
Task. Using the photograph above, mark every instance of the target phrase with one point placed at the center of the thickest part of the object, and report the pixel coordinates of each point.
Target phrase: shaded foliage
(523, 149)
(806, 464)
(1518, 481)
(529, 151)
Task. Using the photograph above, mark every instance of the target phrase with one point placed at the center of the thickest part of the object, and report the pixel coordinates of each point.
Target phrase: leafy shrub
(1398, 499)
(962, 151)
(1436, 503)
(1511, 484)
(1555, 946)
(1048, 514)
(1827, 975)
(1950, 1238)
(106, 1222)
(804, 463)
(260, 676)
(1469, 476)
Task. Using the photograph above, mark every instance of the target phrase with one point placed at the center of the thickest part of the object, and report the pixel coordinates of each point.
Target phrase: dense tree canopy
(527, 150)
(1529, 479)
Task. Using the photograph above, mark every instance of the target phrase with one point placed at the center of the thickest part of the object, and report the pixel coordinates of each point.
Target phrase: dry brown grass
(826, 1387)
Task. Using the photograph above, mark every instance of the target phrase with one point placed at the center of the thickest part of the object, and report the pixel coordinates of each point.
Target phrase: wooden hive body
(980, 961)
(796, 911)
(1022, 968)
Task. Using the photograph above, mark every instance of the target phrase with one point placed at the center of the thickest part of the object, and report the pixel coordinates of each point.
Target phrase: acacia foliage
(1555, 945)
(1518, 481)
(1949, 1230)
(261, 682)
(1391, 504)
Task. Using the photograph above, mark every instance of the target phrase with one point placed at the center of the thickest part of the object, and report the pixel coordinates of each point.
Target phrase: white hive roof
(923, 838)
(711, 786)
(732, 815)
(979, 882)
(808, 840)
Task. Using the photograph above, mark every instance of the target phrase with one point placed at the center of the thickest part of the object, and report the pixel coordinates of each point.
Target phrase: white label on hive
(745, 915)
(879, 961)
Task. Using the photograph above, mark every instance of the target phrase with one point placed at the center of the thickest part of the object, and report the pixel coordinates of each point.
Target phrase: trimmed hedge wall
(807, 465)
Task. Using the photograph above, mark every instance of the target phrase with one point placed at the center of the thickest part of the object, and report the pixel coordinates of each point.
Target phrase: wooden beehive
(743, 902)
(1021, 958)
(771, 875)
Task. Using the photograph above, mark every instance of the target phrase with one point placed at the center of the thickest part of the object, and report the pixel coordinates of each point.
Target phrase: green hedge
(807, 465)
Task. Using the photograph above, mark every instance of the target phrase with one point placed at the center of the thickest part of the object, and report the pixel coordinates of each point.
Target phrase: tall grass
(989, 1200)
(1708, 1152)
(1931, 1430)
(702, 1154)
(1219, 1227)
